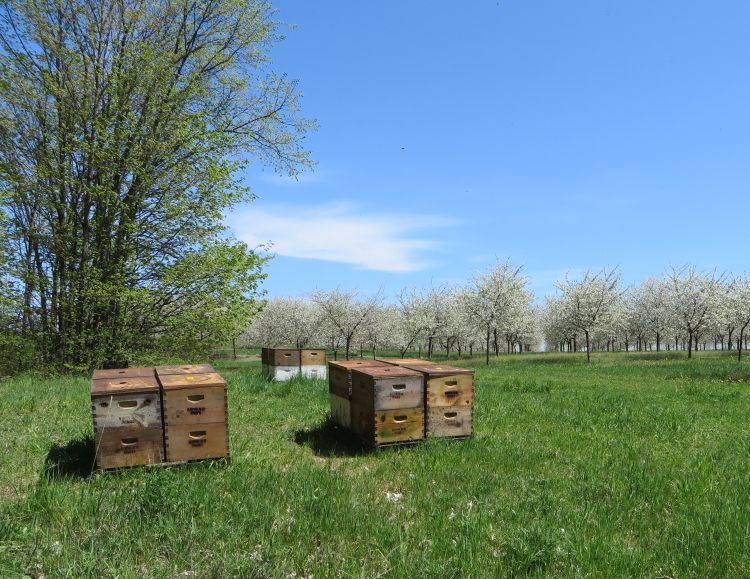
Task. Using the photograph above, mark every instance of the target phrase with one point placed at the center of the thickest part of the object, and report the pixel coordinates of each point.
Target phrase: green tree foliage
(122, 128)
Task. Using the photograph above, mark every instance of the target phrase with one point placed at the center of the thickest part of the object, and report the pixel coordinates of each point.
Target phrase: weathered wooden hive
(195, 414)
(449, 400)
(126, 408)
(403, 361)
(280, 364)
(387, 405)
(340, 387)
(313, 363)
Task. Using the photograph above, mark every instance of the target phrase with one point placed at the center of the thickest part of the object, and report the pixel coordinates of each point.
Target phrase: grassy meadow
(635, 465)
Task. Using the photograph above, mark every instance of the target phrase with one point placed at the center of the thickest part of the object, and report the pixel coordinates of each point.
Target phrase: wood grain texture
(142, 410)
(196, 405)
(312, 357)
(196, 441)
(185, 369)
(123, 373)
(190, 381)
(449, 422)
(388, 427)
(124, 447)
(450, 391)
(386, 392)
(340, 374)
(134, 385)
(282, 357)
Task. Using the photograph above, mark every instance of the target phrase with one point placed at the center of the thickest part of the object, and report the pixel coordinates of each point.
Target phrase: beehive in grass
(195, 416)
(280, 364)
(387, 405)
(340, 387)
(127, 415)
(449, 400)
(313, 363)
(403, 361)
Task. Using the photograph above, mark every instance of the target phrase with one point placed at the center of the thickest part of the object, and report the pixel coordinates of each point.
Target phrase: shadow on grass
(74, 459)
(329, 439)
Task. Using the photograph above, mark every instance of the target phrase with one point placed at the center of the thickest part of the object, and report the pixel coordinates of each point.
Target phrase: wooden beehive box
(340, 387)
(185, 369)
(449, 400)
(127, 420)
(195, 416)
(403, 361)
(282, 357)
(313, 363)
(280, 364)
(387, 405)
(123, 373)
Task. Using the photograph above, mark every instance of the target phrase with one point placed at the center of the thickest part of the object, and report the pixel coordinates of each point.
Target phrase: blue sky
(562, 135)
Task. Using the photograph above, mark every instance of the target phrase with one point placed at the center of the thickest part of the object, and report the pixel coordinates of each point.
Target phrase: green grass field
(637, 465)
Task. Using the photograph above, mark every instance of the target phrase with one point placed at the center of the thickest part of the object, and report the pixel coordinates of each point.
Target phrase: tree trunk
(234, 348)
(739, 343)
(487, 349)
(658, 342)
(588, 348)
(690, 344)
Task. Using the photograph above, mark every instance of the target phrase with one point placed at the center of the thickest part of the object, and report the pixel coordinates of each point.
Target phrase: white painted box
(281, 373)
(315, 371)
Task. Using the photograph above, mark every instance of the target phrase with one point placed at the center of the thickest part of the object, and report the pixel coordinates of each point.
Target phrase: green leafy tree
(122, 128)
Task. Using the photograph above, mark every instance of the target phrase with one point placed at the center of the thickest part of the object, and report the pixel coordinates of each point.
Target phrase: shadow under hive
(195, 415)
(126, 407)
(387, 405)
(449, 400)
(340, 387)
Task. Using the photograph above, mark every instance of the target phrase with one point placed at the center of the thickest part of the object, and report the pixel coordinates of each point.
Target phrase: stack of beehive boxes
(387, 405)
(449, 400)
(398, 400)
(340, 387)
(281, 364)
(150, 416)
(195, 412)
(126, 407)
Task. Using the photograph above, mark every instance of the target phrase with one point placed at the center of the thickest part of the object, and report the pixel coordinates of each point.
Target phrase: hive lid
(185, 369)
(123, 373)
(351, 364)
(439, 369)
(403, 361)
(387, 371)
(134, 385)
(180, 381)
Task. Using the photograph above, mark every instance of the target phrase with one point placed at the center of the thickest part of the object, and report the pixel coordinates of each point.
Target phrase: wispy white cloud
(395, 242)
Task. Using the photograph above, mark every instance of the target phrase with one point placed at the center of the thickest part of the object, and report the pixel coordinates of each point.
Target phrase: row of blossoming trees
(494, 312)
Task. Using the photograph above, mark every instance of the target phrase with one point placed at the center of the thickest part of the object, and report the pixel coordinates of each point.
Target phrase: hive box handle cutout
(451, 393)
(450, 415)
(401, 418)
(451, 382)
(198, 434)
(130, 441)
(195, 398)
(399, 386)
(128, 403)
